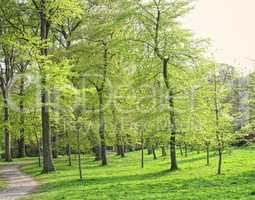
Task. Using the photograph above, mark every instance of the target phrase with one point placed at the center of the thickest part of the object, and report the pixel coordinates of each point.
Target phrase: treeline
(83, 76)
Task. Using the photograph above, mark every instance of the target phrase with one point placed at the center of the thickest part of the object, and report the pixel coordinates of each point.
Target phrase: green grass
(123, 179)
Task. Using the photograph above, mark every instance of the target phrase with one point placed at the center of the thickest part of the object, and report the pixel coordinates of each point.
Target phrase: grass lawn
(124, 179)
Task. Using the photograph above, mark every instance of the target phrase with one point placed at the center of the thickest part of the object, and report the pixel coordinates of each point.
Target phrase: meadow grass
(123, 178)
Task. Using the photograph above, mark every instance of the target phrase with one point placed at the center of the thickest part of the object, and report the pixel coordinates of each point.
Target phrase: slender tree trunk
(39, 155)
(172, 138)
(163, 151)
(69, 154)
(207, 154)
(21, 141)
(7, 135)
(39, 150)
(173, 165)
(68, 146)
(181, 151)
(154, 153)
(97, 151)
(120, 142)
(53, 127)
(54, 144)
(220, 161)
(142, 150)
(46, 136)
(198, 149)
(219, 138)
(79, 152)
(120, 150)
(186, 149)
(149, 150)
(119, 139)
(102, 128)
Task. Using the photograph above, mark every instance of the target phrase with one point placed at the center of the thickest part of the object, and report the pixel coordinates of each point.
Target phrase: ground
(124, 179)
(2, 183)
(18, 184)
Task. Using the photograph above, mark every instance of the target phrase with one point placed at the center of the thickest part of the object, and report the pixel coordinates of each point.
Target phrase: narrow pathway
(19, 184)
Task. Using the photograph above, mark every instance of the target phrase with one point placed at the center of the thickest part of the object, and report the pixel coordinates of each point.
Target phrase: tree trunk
(21, 141)
(68, 146)
(7, 135)
(207, 154)
(119, 139)
(97, 151)
(181, 151)
(46, 136)
(220, 160)
(120, 150)
(154, 153)
(163, 151)
(54, 145)
(186, 149)
(198, 149)
(102, 128)
(149, 150)
(79, 152)
(69, 154)
(173, 165)
(142, 150)
(39, 151)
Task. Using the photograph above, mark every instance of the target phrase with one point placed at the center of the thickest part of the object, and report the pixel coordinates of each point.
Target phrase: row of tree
(81, 76)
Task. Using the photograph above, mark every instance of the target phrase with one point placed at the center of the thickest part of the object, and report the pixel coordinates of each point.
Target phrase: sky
(231, 27)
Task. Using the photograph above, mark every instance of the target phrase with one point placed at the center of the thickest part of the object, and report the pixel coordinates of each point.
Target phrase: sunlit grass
(124, 179)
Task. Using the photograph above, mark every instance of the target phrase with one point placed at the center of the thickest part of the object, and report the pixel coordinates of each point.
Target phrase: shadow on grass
(145, 184)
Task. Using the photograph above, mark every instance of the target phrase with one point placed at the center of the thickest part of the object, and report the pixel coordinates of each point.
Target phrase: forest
(117, 99)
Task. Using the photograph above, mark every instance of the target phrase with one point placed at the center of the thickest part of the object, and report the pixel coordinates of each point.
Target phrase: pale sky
(230, 24)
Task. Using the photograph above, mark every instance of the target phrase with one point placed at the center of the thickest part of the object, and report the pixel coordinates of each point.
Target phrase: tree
(172, 45)
(7, 71)
(50, 13)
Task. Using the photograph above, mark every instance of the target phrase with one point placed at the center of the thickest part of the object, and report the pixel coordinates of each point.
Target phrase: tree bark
(69, 154)
(173, 165)
(218, 136)
(198, 149)
(68, 146)
(154, 153)
(21, 141)
(48, 165)
(181, 151)
(186, 149)
(46, 136)
(119, 139)
(54, 144)
(97, 151)
(142, 150)
(39, 150)
(79, 152)
(220, 161)
(102, 128)
(7, 135)
(163, 151)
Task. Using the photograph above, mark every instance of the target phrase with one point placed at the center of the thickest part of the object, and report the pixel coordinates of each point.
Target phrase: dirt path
(19, 184)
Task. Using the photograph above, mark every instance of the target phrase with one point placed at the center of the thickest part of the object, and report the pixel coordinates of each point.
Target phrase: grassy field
(124, 179)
